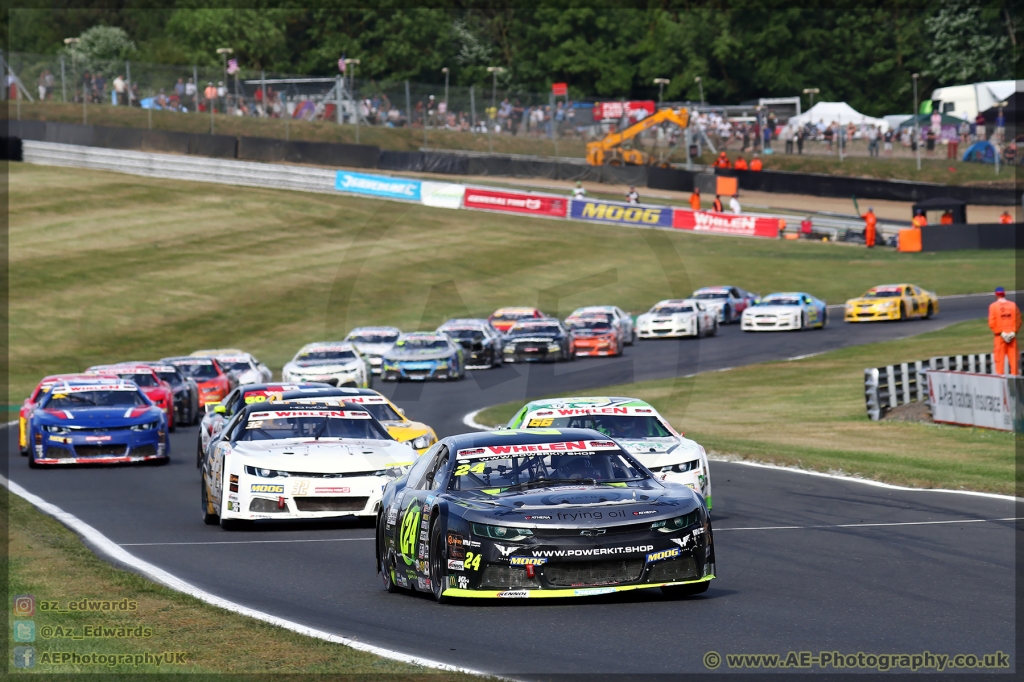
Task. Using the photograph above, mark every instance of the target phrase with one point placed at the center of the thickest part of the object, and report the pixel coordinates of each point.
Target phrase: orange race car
(209, 376)
(502, 319)
(30, 403)
(596, 334)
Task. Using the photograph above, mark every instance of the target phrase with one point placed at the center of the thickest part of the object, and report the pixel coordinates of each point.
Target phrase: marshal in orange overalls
(1004, 318)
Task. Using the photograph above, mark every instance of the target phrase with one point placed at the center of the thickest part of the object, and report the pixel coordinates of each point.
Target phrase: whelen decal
(330, 414)
(550, 448)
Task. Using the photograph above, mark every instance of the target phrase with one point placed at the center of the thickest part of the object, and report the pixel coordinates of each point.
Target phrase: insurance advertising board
(378, 185)
(621, 214)
(984, 400)
(515, 202)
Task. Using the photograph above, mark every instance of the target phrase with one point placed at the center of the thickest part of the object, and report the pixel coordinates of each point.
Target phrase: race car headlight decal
(210, 389)
(501, 532)
(53, 428)
(553, 347)
(441, 364)
(510, 348)
(148, 426)
(421, 442)
(680, 468)
(264, 473)
(676, 523)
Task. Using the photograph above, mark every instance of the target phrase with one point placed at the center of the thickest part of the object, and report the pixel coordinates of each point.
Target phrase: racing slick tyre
(714, 329)
(632, 337)
(803, 321)
(438, 562)
(903, 312)
(209, 518)
(676, 591)
(930, 313)
(727, 315)
(824, 320)
(382, 560)
(32, 460)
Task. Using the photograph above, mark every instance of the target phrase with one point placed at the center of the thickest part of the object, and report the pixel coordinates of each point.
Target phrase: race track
(806, 563)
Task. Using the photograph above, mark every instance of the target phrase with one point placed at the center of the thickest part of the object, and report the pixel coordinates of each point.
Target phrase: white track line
(470, 421)
(238, 542)
(874, 525)
(107, 546)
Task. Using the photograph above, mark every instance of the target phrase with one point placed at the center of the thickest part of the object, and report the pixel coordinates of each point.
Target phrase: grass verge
(107, 267)
(810, 413)
(50, 562)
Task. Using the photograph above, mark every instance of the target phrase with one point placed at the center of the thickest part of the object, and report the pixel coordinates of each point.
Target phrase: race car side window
(423, 465)
(735, 294)
(440, 472)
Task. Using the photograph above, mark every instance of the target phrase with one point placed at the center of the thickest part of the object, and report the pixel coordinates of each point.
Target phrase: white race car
(624, 319)
(677, 317)
(336, 363)
(373, 343)
(634, 424)
(242, 367)
(786, 312)
(726, 302)
(291, 461)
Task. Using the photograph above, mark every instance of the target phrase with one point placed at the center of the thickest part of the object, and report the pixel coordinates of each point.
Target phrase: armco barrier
(886, 388)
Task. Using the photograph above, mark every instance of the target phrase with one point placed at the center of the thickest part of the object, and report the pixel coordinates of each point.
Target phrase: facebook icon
(24, 656)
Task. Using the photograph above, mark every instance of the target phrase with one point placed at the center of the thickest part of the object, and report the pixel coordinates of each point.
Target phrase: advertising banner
(725, 223)
(604, 111)
(378, 185)
(442, 194)
(514, 202)
(984, 400)
(621, 214)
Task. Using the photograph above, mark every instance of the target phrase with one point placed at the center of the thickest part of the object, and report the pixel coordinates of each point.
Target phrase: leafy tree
(965, 48)
(101, 48)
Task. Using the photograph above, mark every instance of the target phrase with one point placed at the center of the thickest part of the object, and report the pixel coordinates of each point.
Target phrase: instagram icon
(24, 605)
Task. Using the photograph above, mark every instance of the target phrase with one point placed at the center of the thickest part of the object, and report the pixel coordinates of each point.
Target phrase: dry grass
(810, 413)
(50, 562)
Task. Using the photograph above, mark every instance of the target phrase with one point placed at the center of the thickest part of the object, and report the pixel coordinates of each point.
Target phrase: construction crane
(610, 150)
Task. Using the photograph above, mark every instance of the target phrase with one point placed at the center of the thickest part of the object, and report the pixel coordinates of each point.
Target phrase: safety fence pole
(472, 107)
(63, 86)
(263, 92)
(337, 98)
(3, 70)
(408, 106)
(195, 95)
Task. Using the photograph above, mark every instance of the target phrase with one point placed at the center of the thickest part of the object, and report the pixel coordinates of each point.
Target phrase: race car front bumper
(114, 447)
(668, 328)
(353, 379)
(770, 323)
(596, 347)
(419, 370)
(295, 497)
(871, 313)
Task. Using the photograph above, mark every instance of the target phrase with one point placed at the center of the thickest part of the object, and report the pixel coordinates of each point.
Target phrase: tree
(965, 48)
(101, 48)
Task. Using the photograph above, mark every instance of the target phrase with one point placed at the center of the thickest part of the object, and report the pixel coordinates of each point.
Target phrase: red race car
(30, 403)
(210, 377)
(596, 334)
(154, 388)
(502, 319)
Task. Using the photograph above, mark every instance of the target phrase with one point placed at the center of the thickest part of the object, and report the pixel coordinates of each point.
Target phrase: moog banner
(725, 223)
(514, 202)
(984, 400)
(378, 185)
(621, 214)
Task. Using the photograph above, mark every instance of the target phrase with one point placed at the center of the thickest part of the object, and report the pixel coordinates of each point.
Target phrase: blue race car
(423, 355)
(786, 311)
(97, 421)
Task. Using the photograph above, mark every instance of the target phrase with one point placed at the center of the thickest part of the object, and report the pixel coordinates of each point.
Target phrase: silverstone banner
(725, 223)
(985, 400)
(621, 214)
(442, 194)
(514, 202)
(378, 185)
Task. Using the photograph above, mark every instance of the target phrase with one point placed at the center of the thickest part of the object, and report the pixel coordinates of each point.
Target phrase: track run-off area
(805, 562)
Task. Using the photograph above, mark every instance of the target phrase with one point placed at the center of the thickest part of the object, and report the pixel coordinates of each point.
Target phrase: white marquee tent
(840, 112)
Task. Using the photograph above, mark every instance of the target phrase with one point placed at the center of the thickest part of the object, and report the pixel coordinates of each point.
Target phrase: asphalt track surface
(805, 563)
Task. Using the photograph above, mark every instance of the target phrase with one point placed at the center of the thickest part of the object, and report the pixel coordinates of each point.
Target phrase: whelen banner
(514, 202)
(725, 223)
(985, 400)
(621, 214)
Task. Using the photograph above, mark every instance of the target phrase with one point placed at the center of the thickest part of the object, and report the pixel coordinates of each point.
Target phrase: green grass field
(108, 267)
(810, 413)
(412, 139)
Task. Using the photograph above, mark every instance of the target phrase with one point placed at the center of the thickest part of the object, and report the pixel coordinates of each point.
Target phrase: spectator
(872, 141)
(722, 161)
(120, 90)
(222, 95)
(767, 137)
(517, 117)
(87, 86)
(1010, 154)
(800, 136)
(632, 197)
(930, 142)
(920, 219)
(947, 218)
(99, 87)
(734, 205)
(179, 88)
(133, 95)
(1000, 126)
(755, 163)
(952, 145)
(211, 96)
(42, 85)
(717, 206)
(741, 163)
(579, 192)
(807, 227)
(787, 137)
(695, 199)
(1006, 218)
(979, 123)
(965, 132)
(829, 134)
(870, 230)
(887, 140)
(190, 92)
(161, 100)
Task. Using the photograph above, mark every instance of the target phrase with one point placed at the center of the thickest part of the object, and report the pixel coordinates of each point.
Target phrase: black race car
(540, 340)
(481, 344)
(186, 393)
(540, 513)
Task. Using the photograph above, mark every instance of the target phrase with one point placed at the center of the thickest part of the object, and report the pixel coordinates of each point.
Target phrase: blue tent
(980, 152)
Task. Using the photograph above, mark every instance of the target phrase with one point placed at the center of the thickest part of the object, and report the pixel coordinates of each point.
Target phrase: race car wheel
(726, 315)
(803, 321)
(676, 591)
(383, 565)
(209, 518)
(438, 562)
(903, 312)
(32, 459)
(824, 319)
(931, 311)
(632, 337)
(714, 329)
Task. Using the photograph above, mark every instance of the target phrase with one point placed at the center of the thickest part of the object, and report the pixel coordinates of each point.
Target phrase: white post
(337, 98)
(472, 107)
(63, 86)
(263, 92)
(195, 96)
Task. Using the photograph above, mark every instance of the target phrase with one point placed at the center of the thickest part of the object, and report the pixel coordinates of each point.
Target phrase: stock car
(210, 378)
(634, 424)
(100, 420)
(30, 403)
(503, 319)
(540, 340)
(624, 320)
(242, 367)
(373, 342)
(786, 311)
(218, 414)
(677, 317)
(335, 363)
(726, 302)
(540, 513)
(185, 391)
(295, 461)
(416, 435)
(597, 335)
(155, 388)
(481, 344)
(423, 355)
(892, 302)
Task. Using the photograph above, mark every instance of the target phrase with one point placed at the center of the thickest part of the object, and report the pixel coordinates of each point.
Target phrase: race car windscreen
(77, 399)
(465, 334)
(672, 309)
(374, 338)
(325, 354)
(383, 412)
(318, 425)
(883, 293)
(170, 377)
(534, 330)
(197, 370)
(536, 471)
(711, 295)
(423, 344)
(142, 379)
(590, 325)
(781, 300)
(512, 315)
(235, 365)
(611, 425)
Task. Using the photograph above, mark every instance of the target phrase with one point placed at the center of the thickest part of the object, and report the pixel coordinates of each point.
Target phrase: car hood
(871, 301)
(405, 430)
(658, 316)
(321, 365)
(99, 417)
(649, 446)
(326, 456)
(561, 505)
(666, 451)
(373, 348)
(774, 309)
(533, 338)
(418, 354)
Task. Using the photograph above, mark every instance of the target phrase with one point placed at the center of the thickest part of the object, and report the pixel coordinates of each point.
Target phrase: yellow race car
(892, 302)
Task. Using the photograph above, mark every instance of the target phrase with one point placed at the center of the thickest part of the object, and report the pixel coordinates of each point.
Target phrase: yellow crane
(610, 150)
